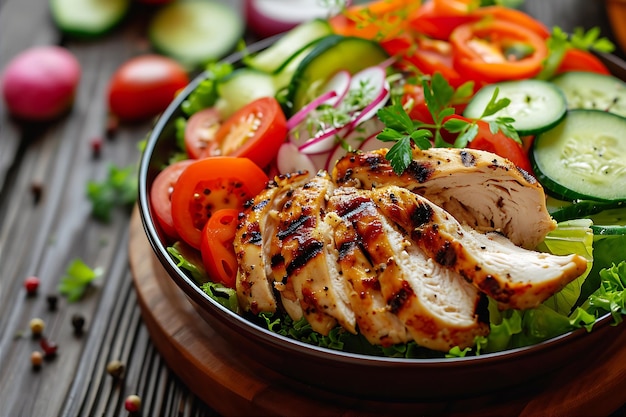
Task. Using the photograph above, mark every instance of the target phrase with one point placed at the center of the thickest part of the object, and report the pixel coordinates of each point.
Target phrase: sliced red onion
(289, 159)
(299, 117)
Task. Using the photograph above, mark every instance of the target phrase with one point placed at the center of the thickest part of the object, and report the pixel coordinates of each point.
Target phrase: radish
(271, 17)
(290, 159)
(40, 83)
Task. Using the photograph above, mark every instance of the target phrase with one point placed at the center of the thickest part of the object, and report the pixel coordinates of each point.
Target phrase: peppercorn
(32, 285)
(116, 369)
(49, 348)
(96, 147)
(36, 326)
(52, 301)
(36, 359)
(36, 188)
(78, 322)
(132, 403)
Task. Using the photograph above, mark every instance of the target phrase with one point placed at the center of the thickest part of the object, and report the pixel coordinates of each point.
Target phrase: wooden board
(233, 385)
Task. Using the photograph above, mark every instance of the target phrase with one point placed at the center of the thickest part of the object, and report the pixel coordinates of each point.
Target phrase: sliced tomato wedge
(216, 247)
(481, 51)
(255, 131)
(160, 195)
(208, 185)
(579, 60)
(200, 133)
(501, 145)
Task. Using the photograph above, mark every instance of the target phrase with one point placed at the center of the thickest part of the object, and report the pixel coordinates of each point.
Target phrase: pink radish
(40, 83)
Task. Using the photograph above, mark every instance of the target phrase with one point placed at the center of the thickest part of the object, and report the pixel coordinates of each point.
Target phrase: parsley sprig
(77, 279)
(560, 41)
(439, 97)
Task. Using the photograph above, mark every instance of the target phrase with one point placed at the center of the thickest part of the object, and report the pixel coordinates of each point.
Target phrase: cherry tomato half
(216, 246)
(255, 131)
(144, 86)
(160, 194)
(200, 132)
(211, 184)
(501, 145)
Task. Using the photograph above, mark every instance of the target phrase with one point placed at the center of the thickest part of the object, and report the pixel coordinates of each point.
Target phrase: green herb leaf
(400, 155)
(395, 117)
(77, 278)
(118, 189)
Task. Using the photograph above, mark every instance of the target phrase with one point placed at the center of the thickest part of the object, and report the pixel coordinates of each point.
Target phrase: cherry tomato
(255, 131)
(211, 184)
(200, 132)
(160, 194)
(216, 246)
(144, 86)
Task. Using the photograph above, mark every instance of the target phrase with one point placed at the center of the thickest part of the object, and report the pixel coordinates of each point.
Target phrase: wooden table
(41, 234)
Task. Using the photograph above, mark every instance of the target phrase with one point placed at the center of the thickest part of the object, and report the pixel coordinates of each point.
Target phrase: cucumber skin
(295, 96)
(554, 188)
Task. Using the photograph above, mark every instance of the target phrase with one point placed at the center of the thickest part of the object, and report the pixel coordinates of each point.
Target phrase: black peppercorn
(52, 301)
(78, 322)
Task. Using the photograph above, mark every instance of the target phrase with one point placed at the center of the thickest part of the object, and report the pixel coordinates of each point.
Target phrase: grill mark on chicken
(478, 188)
(515, 277)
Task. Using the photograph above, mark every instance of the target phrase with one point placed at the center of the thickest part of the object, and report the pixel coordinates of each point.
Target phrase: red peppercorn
(96, 147)
(132, 403)
(49, 347)
(31, 284)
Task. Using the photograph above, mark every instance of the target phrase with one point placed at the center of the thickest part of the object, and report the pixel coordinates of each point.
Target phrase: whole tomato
(144, 86)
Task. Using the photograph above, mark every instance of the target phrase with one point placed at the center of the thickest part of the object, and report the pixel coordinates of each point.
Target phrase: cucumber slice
(330, 54)
(241, 87)
(589, 90)
(609, 222)
(195, 32)
(584, 208)
(536, 105)
(583, 157)
(88, 18)
(275, 57)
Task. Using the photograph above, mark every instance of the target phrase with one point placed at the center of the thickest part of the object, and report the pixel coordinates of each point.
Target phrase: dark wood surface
(42, 237)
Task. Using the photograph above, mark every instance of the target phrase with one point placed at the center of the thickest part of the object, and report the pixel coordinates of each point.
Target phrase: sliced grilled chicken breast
(373, 316)
(258, 224)
(437, 306)
(309, 258)
(515, 277)
(478, 188)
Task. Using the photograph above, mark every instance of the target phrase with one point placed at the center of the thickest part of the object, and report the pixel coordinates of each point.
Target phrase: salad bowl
(360, 375)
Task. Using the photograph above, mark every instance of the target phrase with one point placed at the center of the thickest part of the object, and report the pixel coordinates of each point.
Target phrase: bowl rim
(184, 282)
